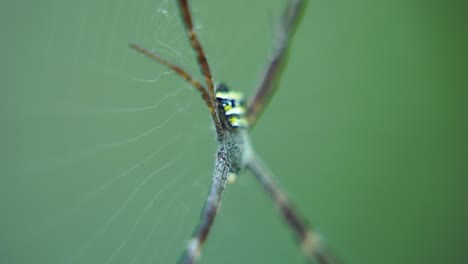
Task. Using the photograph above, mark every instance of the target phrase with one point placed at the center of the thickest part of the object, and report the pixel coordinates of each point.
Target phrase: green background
(367, 132)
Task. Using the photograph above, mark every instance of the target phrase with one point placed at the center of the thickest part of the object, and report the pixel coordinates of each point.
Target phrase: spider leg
(210, 211)
(310, 241)
(202, 61)
(206, 97)
(269, 81)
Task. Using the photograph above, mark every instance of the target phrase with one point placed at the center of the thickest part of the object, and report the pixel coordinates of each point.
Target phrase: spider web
(117, 167)
(122, 159)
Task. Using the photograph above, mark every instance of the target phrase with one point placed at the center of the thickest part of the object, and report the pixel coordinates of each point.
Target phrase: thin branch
(210, 211)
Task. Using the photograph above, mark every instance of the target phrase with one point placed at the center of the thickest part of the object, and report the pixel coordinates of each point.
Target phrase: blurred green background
(106, 157)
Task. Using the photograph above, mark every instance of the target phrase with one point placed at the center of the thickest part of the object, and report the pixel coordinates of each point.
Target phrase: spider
(233, 119)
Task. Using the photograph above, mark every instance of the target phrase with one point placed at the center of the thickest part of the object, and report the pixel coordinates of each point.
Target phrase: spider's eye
(232, 107)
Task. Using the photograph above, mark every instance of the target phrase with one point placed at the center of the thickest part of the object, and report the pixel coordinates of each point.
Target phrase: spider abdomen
(231, 108)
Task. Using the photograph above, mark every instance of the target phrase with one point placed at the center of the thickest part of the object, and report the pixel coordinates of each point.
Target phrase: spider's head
(231, 108)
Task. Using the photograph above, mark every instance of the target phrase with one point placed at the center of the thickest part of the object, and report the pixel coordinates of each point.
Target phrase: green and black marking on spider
(231, 106)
